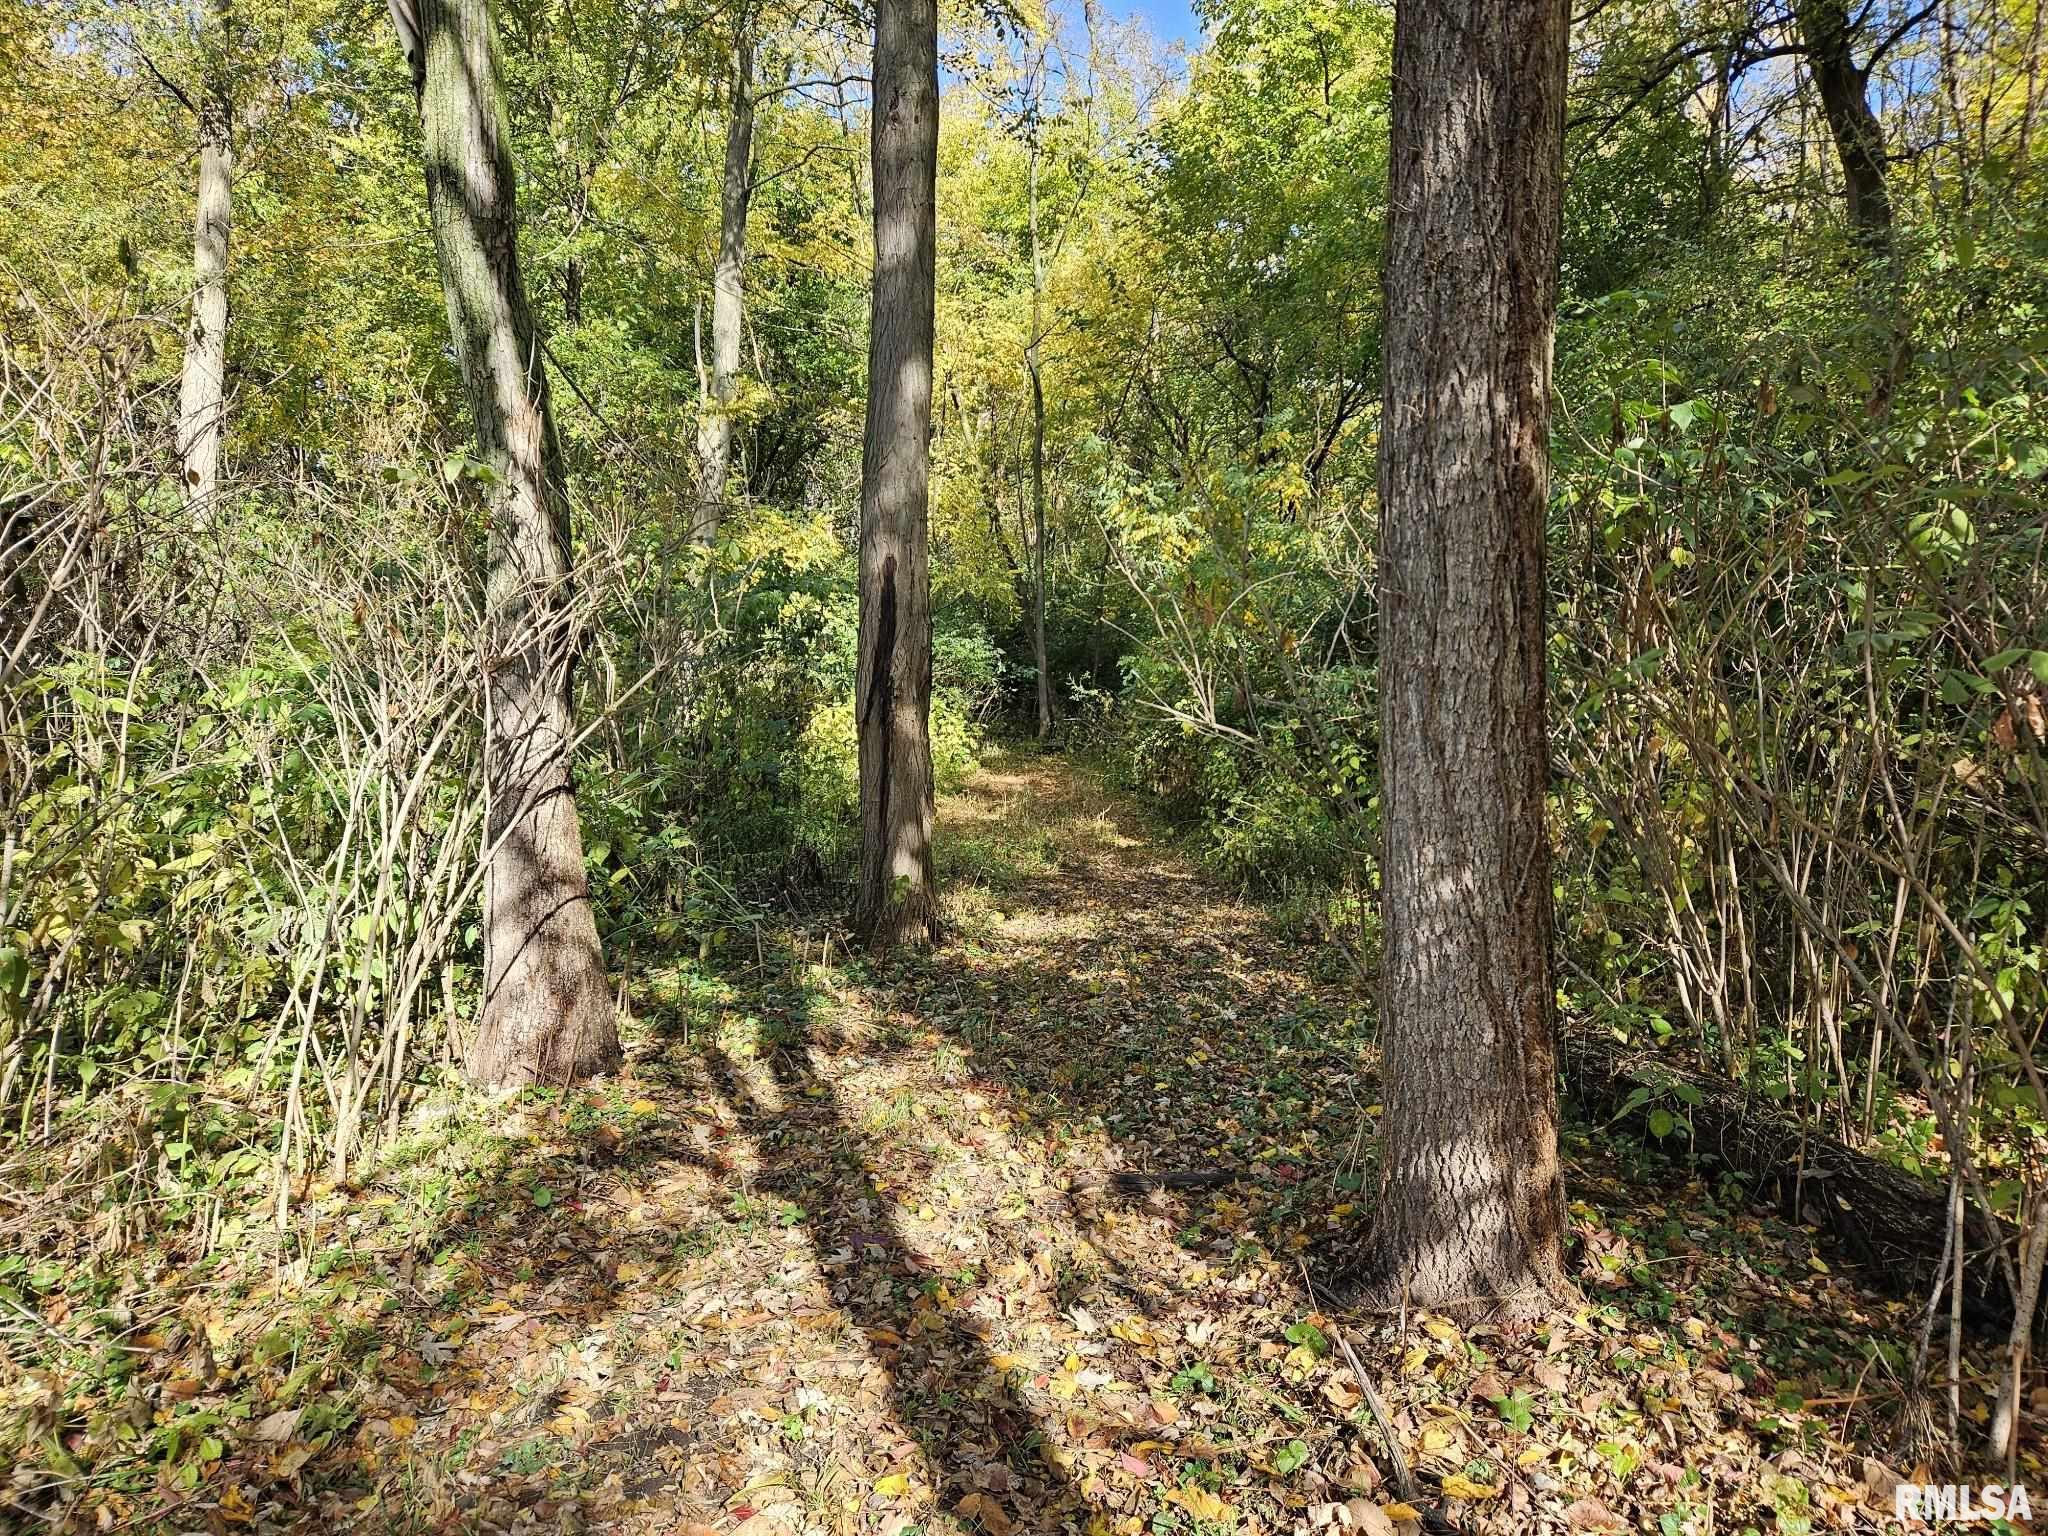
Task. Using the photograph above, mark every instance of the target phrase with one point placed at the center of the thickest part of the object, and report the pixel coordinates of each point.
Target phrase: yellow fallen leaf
(1459, 1486)
(1400, 1511)
(1532, 1455)
(1437, 1438)
(628, 1273)
(402, 1426)
(1201, 1503)
(894, 1486)
(1415, 1361)
(1437, 1328)
(644, 1107)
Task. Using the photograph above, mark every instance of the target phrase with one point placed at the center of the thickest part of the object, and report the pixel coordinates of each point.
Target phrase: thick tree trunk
(1038, 551)
(898, 901)
(202, 381)
(714, 424)
(1825, 33)
(1472, 1201)
(547, 1011)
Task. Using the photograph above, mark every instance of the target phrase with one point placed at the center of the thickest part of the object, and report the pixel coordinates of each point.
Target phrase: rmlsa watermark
(1960, 1503)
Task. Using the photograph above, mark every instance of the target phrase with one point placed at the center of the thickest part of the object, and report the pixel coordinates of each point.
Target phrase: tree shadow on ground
(847, 1250)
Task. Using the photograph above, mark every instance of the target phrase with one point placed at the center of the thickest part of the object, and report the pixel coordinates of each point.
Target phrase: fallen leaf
(1459, 1486)
(980, 1509)
(1200, 1502)
(1589, 1514)
(277, 1427)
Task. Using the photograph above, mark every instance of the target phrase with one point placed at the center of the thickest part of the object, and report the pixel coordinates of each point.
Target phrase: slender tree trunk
(547, 1011)
(1827, 36)
(1472, 1201)
(1031, 364)
(898, 901)
(714, 424)
(202, 381)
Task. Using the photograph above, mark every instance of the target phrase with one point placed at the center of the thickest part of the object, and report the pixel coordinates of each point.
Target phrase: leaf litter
(1009, 1238)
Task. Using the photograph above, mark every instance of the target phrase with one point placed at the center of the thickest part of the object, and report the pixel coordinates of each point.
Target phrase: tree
(1472, 1200)
(202, 377)
(714, 425)
(898, 899)
(1034, 123)
(547, 1012)
(1843, 86)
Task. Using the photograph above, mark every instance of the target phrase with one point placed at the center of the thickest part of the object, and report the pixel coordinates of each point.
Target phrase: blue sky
(1171, 20)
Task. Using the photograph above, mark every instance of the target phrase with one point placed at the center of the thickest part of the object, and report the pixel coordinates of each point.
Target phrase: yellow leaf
(1400, 1511)
(644, 1107)
(402, 1426)
(1437, 1328)
(628, 1273)
(1532, 1455)
(894, 1486)
(1413, 1363)
(1459, 1486)
(1201, 1503)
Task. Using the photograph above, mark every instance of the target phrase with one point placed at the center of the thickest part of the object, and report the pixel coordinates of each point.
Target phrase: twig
(1404, 1480)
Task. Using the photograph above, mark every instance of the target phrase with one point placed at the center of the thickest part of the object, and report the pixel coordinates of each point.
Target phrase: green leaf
(1661, 1123)
(1516, 1410)
(1309, 1337)
(1290, 1457)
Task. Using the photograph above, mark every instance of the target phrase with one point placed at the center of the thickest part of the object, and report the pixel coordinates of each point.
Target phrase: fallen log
(1891, 1226)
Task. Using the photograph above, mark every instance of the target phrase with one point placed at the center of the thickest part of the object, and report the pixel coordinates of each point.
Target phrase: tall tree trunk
(202, 380)
(1472, 1201)
(1031, 365)
(1825, 33)
(714, 424)
(547, 1011)
(898, 901)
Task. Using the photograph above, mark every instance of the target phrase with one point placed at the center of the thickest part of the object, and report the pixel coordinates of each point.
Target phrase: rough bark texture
(1825, 33)
(202, 380)
(547, 1011)
(1472, 1202)
(714, 425)
(1038, 542)
(898, 901)
(1888, 1223)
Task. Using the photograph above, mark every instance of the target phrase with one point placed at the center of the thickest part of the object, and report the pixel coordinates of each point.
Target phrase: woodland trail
(845, 1251)
(859, 1259)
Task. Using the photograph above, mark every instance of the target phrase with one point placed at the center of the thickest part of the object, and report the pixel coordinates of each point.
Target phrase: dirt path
(847, 1251)
(861, 1261)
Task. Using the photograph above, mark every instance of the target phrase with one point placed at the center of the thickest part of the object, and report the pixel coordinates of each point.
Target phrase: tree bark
(1472, 1200)
(1825, 33)
(898, 900)
(547, 1011)
(1031, 365)
(714, 424)
(202, 380)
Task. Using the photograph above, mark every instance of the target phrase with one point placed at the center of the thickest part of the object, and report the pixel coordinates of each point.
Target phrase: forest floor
(843, 1251)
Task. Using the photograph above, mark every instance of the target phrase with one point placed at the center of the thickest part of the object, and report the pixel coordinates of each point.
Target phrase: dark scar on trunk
(879, 685)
